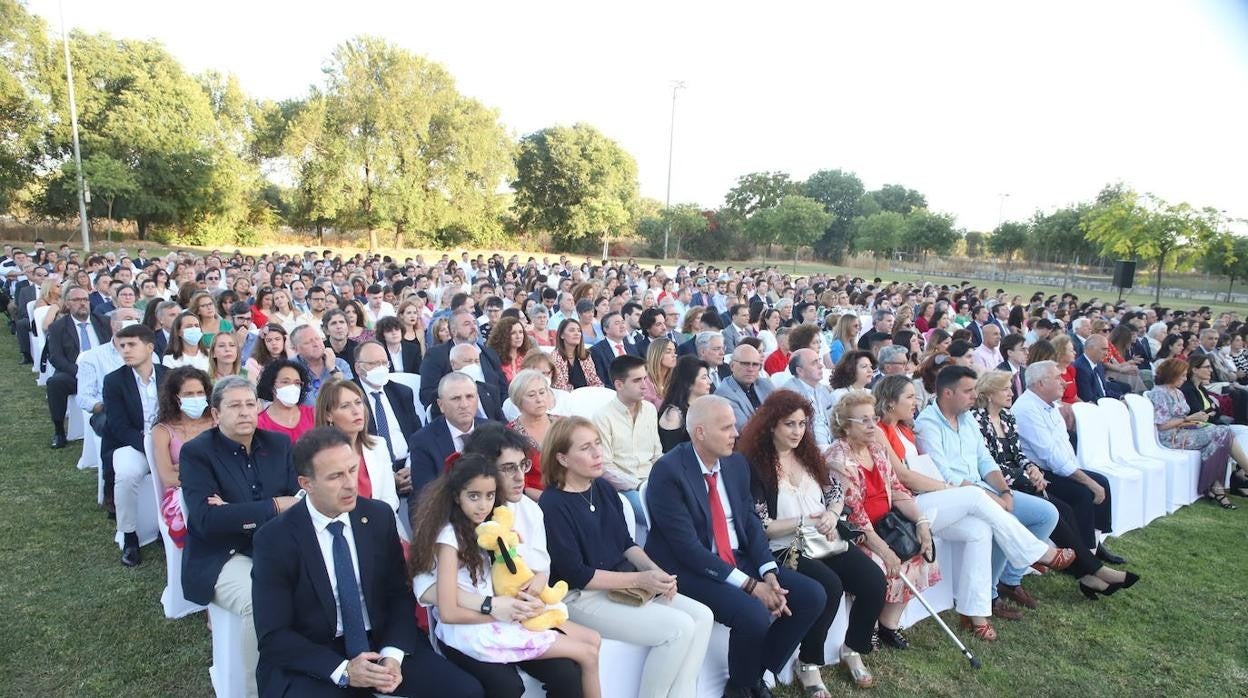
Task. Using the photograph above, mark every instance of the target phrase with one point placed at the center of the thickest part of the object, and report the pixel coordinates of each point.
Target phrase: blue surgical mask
(192, 335)
(194, 407)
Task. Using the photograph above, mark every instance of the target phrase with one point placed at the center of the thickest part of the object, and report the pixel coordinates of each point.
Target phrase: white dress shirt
(325, 540)
(530, 523)
(397, 441)
(736, 577)
(93, 365)
(1042, 435)
(457, 436)
(147, 395)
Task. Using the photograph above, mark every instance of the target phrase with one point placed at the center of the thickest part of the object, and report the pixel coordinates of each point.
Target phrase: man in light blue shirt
(947, 432)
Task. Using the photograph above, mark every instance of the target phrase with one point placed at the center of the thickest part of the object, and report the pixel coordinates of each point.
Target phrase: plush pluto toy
(509, 572)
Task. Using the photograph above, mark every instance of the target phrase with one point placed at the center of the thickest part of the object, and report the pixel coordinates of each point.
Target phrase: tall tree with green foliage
(975, 243)
(929, 232)
(574, 183)
(897, 198)
(1007, 239)
(879, 233)
(684, 221)
(27, 66)
(1227, 255)
(795, 222)
(841, 194)
(756, 191)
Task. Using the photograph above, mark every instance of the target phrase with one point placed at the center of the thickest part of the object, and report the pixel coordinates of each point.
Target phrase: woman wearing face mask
(341, 404)
(284, 383)
(181, 415)
(184, 344)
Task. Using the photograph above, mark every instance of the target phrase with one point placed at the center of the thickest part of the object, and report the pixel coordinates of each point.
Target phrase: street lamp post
(671, 142)
(73, 122)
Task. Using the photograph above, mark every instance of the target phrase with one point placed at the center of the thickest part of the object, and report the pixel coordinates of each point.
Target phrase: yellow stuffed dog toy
(509, 572)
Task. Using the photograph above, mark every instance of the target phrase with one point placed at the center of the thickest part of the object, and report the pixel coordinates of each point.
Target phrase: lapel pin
(363, 519)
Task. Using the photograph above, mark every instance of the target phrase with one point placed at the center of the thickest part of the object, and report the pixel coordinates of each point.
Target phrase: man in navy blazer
(130, 397)
(371, 372)
(457, 398)
(64, 344)
(324, 629)
(437, 362)
(614, 343)
(235, 479)
(718, 549)
(1090, 381)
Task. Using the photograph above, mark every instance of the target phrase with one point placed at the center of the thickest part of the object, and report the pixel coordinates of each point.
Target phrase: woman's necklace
(589, 499)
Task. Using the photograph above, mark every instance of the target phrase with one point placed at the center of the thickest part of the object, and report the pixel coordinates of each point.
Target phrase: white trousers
(677, 634)
(129, 469)
(233, 593)
(968, 515)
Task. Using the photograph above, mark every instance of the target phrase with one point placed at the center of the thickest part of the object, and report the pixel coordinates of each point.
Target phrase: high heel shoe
(1219, 497)
(1128, 582)
(860, 675)
(984, 632)
(1088, 592)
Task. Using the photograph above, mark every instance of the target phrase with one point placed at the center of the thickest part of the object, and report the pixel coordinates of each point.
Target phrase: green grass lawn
(77, 623)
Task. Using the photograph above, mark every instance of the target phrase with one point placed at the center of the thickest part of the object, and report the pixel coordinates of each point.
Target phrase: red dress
(1071, 393)
(777, 362)
(875, 498)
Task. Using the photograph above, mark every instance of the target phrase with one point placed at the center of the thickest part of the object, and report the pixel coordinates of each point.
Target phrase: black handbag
(901, 534)
(97, 422)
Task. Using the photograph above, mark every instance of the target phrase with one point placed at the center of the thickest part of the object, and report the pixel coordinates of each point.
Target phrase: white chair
(781, 379)
(587, 401)
(1122, 449)
(510, 411)
(562, 398)
(174, 603)
(36, 342)
(547, 350)
(148, 516)
(630, 518)
(90, 457)
(411, 380)
(227, 672)
(1126, 485)
(74, 421)
(1183, 466)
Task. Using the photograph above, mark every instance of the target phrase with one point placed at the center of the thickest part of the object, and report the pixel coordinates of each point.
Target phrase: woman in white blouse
(341, 404)
(184, 348)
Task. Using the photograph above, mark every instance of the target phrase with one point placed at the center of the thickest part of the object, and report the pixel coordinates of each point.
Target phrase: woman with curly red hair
(800, 505)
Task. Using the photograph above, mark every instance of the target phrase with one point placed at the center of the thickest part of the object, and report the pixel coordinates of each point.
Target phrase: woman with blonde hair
(847, 329)
(283, 312)
(50, 298)
(660, 362)
(341, 403)
(223, 358)
(531, 394)
(574, 368)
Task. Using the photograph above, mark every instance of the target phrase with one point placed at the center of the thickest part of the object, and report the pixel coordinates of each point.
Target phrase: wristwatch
(487, 606)
(344, 680)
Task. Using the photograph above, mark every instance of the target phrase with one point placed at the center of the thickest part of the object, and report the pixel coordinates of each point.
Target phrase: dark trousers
(60, 386)
(425, 675)
(560, 677)
(853, 572)
(1066, 535)
(757, 643)
(1088, 517)
(23, 339)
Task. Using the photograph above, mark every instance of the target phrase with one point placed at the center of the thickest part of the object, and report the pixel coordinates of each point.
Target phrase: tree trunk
(398, 235)
(877, 265)
(1161, 261)
(1230, 287)
(142, 221)
(372, 239)
(320, 234)
(795, 260)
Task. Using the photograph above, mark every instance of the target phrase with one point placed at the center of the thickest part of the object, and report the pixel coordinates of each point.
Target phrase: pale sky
(964, 101)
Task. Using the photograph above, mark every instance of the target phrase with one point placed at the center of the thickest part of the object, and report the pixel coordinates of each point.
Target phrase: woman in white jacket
(341, 404)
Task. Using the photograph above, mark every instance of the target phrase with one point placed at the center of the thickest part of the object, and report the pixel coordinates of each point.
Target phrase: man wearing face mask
(71, 334)
(94, 364)
(437, 363)
(392, 411)
(130, 402)
(466, 359)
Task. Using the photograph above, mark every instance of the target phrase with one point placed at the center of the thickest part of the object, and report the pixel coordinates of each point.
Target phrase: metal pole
(671, 143)
(73, 122)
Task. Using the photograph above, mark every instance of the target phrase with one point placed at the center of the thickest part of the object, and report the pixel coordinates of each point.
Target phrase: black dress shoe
(58, 441)
(130, 557)
(761, 690)
(737, 692)
(1105, 555)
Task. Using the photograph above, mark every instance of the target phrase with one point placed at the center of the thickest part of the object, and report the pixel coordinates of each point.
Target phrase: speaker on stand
(1124, 275)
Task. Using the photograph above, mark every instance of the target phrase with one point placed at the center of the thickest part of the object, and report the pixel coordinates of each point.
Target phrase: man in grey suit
(26, 294)
(745, 390)
(738, 327)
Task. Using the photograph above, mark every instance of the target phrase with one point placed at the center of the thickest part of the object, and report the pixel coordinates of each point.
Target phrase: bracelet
(923, 520)
(750, 585)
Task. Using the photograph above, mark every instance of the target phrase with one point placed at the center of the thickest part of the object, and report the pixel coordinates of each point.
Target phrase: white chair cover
(172, 600)
(1183, 466)
(148, 529)
(1126, 485)
(228, 675)
(587, 401)
(1122, 448)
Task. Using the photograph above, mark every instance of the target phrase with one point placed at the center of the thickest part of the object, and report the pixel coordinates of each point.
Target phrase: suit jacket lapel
(693, 474)
(360, 529)
(314, 560)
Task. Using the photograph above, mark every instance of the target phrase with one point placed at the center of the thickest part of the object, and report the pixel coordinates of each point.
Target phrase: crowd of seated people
(328, 432)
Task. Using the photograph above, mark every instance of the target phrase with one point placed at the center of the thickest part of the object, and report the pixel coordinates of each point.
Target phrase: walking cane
(975, 663)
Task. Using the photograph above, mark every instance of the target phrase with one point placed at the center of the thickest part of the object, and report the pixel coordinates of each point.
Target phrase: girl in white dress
(445, 553)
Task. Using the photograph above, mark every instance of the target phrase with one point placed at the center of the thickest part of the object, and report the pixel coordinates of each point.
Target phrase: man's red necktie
(719, 521)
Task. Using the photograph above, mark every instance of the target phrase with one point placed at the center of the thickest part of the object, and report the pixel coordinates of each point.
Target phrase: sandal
(893, 638)
(861, 677)
(984, 632)
(818, 690)
(1218, 496)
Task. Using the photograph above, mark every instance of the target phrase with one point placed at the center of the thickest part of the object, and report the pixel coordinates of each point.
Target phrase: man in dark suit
(614, 343)
(1014, 349)
(980, 318)
(437, 363)
(130, 407)
(27, 291)
(1090, 381)
(712, 541)
(235, 478)
(653, 326)
(457, 399)
(391, 408)
(334, 610)
(166, 313)
(710, 348)
(69, 336)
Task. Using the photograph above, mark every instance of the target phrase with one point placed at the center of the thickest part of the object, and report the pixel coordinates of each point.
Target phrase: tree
(574, 183)
(27, 64)
(684, 221)
(1007, 239)
(975, 242)
(841, 194)
(929, 232)
(1227, 255)
(896, 198)
(879, 233)
(795, 222)
(758, 190)
(1148, 229)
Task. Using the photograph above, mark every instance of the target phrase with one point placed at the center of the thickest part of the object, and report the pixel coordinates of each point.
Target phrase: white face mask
(378, 376)
(194, 407)
(473, 371)
(288, 394)
(128, 323)
(192, 335)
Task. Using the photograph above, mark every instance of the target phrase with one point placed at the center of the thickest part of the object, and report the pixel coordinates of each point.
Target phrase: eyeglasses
(749, 364)
(515, 469)
(864, 421)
